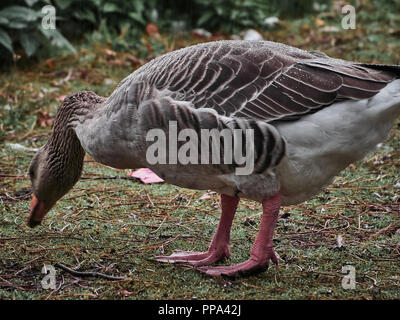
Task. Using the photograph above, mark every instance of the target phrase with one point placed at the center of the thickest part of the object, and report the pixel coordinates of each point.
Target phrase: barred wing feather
(260, 79)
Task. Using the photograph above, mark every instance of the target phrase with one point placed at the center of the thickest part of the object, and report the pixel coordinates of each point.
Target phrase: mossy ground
(116, 226)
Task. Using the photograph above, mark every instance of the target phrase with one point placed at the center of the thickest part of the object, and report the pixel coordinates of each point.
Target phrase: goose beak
(38, 211)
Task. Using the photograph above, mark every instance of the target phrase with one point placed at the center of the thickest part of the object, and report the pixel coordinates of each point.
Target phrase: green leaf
(17, 25)
(137, 17)
(63, 4)
(85, 15)
(220, 10)
(57, 39)
(31, 2)
(29, 43)
(20, 13)
(139, 6)
(3, 20)
(6, 41)
(205, 17)
(111, 7)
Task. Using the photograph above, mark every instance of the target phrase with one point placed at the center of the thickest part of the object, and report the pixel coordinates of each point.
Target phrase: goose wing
(260, 79)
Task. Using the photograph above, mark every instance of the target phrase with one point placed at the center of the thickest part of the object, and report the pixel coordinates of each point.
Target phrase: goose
(310, 116)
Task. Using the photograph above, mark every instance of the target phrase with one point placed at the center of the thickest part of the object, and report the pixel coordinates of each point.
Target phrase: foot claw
(192, 258)
(274, 257)
(250, 267)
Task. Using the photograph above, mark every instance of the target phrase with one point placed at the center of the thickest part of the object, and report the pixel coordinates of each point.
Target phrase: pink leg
(262, 250)
(219, 246)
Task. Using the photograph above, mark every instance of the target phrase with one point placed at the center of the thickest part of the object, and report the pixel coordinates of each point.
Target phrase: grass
(116, 226)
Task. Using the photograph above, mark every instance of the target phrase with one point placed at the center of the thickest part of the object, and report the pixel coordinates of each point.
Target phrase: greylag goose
(310, 116)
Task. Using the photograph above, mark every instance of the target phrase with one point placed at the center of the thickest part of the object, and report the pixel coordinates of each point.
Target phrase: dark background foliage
(20, 20)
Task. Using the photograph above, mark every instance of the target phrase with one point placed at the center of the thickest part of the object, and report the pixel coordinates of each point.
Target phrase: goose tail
(395, 69)
(387, 102)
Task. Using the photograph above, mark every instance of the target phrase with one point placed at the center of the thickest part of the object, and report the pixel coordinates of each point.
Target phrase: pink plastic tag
(146, 176)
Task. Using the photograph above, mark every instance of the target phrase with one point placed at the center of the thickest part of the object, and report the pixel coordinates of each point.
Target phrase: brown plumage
(261, 79)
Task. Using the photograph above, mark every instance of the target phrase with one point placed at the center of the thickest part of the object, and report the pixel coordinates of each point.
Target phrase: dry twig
(87, 273)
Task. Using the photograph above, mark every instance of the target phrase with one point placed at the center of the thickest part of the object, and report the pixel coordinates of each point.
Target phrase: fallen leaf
(135, 62)
(252, 35)
(319, 22)
(50, 63)
(117, 62)
(330, 29)
(84, 74)
(152, 30)
(201, 33)
(339, 241)
(61, 98)
(207, 195)
(149, 48)
(20, 147)
(126, 292)
(43, 119)
(110, 54)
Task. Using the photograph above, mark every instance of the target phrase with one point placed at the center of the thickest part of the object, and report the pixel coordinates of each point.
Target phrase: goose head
(57, 166)
(48, 186)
